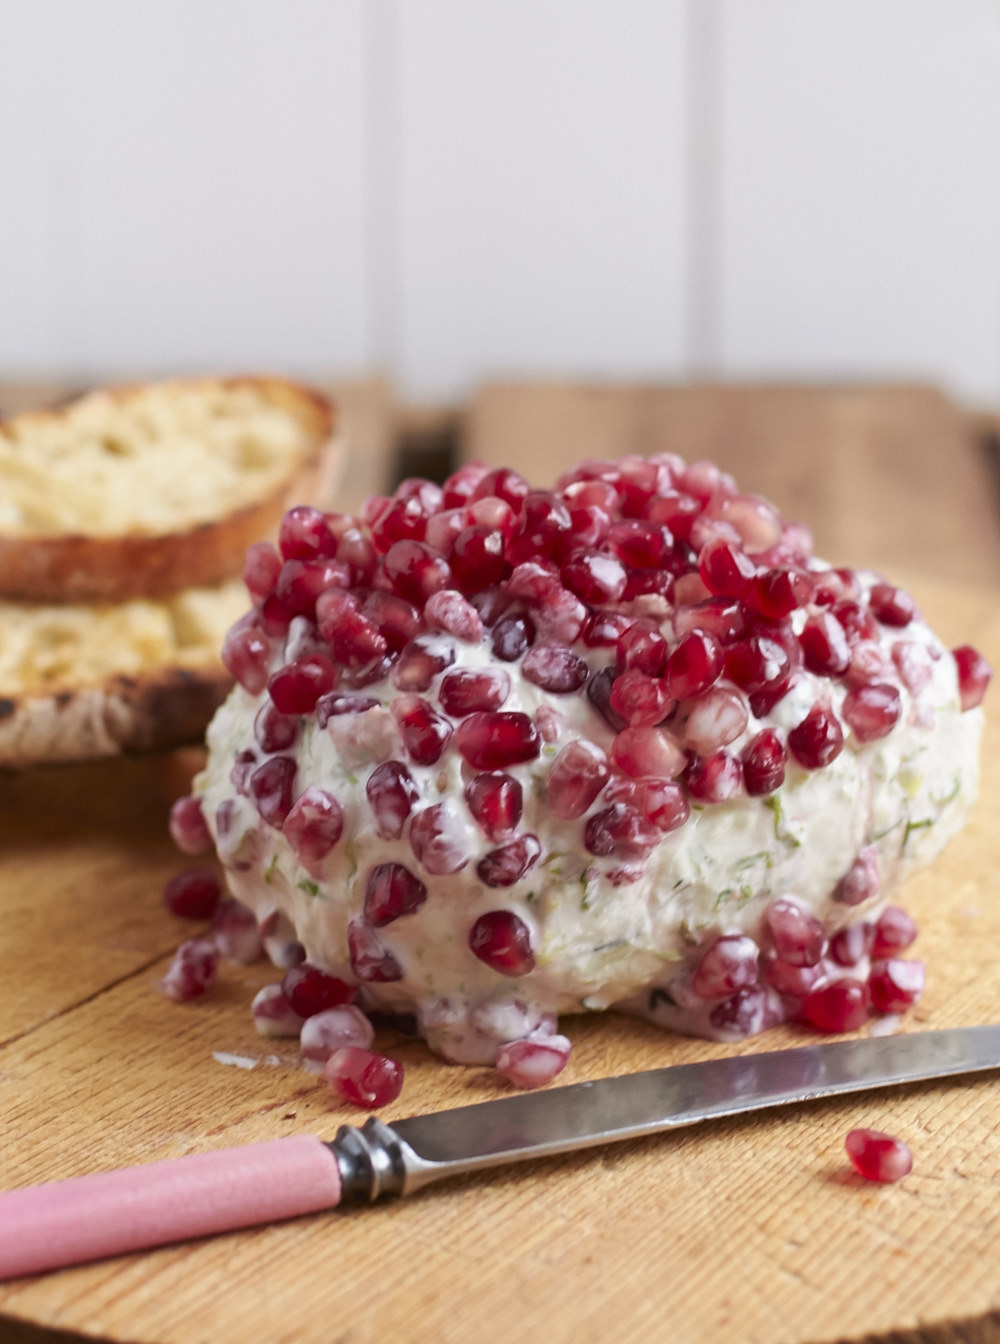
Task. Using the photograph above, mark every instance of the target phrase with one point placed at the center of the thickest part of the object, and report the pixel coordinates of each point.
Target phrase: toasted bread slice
(83, 681)
(141, 492)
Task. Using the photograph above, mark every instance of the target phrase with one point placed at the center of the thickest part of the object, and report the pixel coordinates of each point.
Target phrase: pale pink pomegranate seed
(502, 940)
(839, 1006)
(391, 791)
(192, 970)
(246, 653)
(754, 519)
(296, 687)
(891, 606)
(895, 930)
(764, 763)
(620, 830)
(557, 670)
(849, 945)
(425, 732)
(715, 778)
(448, 610)
(391, 892)
(729, 964)
(371, 960)
(642, 648)
(594, 576)
(817, 740)
(895, 984)
(550, 723)
(798, 935)
(363, 1078)
(333, 1029)
(495, 800)
(861, 880)
(689, 589)
(725, 569)
(913, 663)
(469, 690)
(273, 730)
(314, 824)
(356, 550)
(577, 776)
(664, 803)
(824, 645)
(793, 982)
(647, 752)
(592, 494)
(561, 617)
(271, 786)
(273, 1015)
(512, 636)
(443, 528)
(421, 661)
(235, 932)
(336, 704)
(193, 894)
(872, 711)
(244, 763)
(716, 718)
(641, 701)
(974, 674)
(429, 493)
(504, 866)
(533, 1062)
(869, 664)
(310, 990)
(439, 839)
(491, 741)
(833, 585)
(877, 1156)
(694, 665)
(261, 569)
(496, 513)
(535, 581)
(188, 828)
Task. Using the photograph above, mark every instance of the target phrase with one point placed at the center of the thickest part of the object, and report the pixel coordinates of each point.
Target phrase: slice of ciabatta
(141, 492)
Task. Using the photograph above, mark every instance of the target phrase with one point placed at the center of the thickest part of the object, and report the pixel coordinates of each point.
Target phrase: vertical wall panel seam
(382, 182)
(703, 188)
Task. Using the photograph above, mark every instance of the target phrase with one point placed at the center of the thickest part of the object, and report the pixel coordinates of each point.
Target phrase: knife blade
(67, 1222)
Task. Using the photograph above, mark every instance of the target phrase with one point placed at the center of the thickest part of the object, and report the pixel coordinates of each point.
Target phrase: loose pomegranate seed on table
(192, 971)
(193, 894)
(188, 828)
(877, 1156)
(235, 932)
(310, 990)
(363, 1078)
(332, 1029)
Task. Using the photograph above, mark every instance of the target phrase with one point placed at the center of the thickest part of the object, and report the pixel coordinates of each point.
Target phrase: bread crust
(116, 569)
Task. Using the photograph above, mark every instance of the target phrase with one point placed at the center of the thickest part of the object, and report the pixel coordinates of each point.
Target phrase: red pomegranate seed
(895, 985)
(545, 525)
(640, 700)
(834, 585)
(793, 982)
(273, 730)
(443, 528)
(314, 825)
(401, 520)
(235, 932)
(895, 930)
(271, 786)
(504, 866)
(439, 839)
(533, 1062)
(512, 636)
(891, 606)
(421, 661)
(502, 940)
(261, 569)
(839, 1006)
(798, 935)
(333, 1029)
(274, 617)
(469, 690)
(193, 894)
(858, 624)
(778, 592)
(396, 620)
(492, 741)
(353, 639)
(974, 674)
(721, 617)
(448, 610)
(356, 550)
(592, 494)
(425, 732)
(872, 711)
(416, 571)
(305, 534)
(605, 628)
(589, 526)
(729, 964)
(391, 791)
(246, 654)
(716, 718)
(430, 494)
(273, 1015)
(371, 960)
(364, 1078)
(744, 1013)
(594, 576)
(494, 513)
(491, 603)
(310, 990)
(557, 670)
(495, 801)
(301, 583)
(243, 767)
(640, 544)
(297, 686)
(505, 484)
(817, 740)
(620, 830)
(477, 558)
(577, 776)
(764, 763)
(664, 803)
(715, 778)
(188, 828)
(694, 665)
(757, 664)
(599, 694)
(824, 645)
(725, 569)
(644, 752)
(849, 945)
(391, 892)
(461, 484)
(861, 880)
(642, 648)
(676, 511)
(192, 970)
(877, 1156)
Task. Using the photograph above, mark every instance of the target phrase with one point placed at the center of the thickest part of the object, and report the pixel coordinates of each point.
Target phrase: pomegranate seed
(640, 544)
(817, 740)
(273, 730)
(824, 645)
(305, 534)
(891, 606)
(643, 752)
(664, 803)
(443, 528)
(725, 569)
(401, 520)
(439, 839)
(243, 767)
(467, 691)
(533, 1062)
(512, 636)
(396, 620)
(839, 1006)
(716, 718)
(364, 1078)
(421, 661)
(553, 669)
(280, 943)
(491, 603)
(577, 776)
(333, 706)
(193, 894)
(261, 569)
(355, 550)
(371, 960)
(429, 494)
(391, 791)
(755, 521)
(599, 694)
(694, 665)
(764, 763)
(642, 648)
(729, 964)
(391, 892)
(271, 786)
(877, 1156)
(235, 932)
(504, 866)
(895, 985)
(676, 511)
(620, 830)
(640, 700)
(872, 711)
(310, 990)
(333, 1029)
(717, 616)
(778, 592)
(594, 576)
(974, 674)
(296, 687)
(550, 724)
(494, 513)
(246, 653)
(448, 610)
(545, 524)
(192, 970)
(792, 982)
(503, 941)
(757, 664)
(861, 881)
(798, 935)
(314, 825)
(858, 624)
(895, 930)
(425, 733)
(416, 571)
(589, 526)
(188, 828)
(461, 484)
(492, 741)
(352, 637)
(592, 494)
(505, 484)
(273, 1015)
(913, 663)
(301, 583)
(274, 617)
(715, 778)
(849, 945)
(561, 618)
(495, 801)
(834, 585)
(605, 628)
(742, 1014)
(477, 558)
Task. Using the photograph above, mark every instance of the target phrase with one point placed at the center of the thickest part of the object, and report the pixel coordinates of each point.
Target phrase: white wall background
(456, 189)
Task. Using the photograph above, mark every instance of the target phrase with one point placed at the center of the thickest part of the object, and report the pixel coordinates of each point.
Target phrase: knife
(67, 1222)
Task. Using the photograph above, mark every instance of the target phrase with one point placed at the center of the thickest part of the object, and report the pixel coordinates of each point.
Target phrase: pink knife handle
(46, 1226)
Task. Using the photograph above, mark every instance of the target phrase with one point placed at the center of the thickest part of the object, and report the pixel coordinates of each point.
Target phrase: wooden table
(750, 1230)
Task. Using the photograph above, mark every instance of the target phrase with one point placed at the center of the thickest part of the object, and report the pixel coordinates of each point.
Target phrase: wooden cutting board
(747, 1230)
